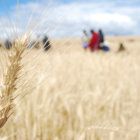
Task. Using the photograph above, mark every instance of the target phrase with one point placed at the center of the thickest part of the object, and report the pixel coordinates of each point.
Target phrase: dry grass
(78, 95)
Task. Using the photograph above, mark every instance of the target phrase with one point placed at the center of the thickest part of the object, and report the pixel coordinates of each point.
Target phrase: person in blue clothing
(8, 44)
(102, 45)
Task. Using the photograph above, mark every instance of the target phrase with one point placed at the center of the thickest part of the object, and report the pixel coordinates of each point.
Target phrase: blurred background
(66, 18)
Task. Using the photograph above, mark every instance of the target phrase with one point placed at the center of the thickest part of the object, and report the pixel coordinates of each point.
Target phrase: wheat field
(68, 93)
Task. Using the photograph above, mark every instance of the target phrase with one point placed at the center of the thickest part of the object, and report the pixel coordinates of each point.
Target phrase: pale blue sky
(69, 17)
(126, 2)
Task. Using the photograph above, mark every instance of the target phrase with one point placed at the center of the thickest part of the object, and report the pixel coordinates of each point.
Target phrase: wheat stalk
(7, 98)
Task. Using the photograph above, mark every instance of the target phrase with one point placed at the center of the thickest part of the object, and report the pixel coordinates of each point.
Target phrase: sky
(67, 18)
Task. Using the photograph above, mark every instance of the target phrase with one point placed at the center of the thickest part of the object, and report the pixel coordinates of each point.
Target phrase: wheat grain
(7, 97)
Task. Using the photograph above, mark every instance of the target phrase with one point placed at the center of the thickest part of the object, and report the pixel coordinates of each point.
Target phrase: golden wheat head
(6, 99)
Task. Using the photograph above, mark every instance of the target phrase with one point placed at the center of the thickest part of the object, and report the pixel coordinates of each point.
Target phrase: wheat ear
(7, 97)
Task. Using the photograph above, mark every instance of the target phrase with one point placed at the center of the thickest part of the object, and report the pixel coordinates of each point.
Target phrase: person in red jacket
(94, 42)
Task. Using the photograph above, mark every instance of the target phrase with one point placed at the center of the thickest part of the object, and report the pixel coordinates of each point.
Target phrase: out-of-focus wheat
(79, 95)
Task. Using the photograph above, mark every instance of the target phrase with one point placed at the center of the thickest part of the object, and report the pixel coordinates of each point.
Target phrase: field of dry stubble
(73, 94)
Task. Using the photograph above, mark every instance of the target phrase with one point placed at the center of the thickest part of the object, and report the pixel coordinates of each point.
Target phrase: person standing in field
(8, 44)
(102, 45)
(94, 41)
(101, 36)
(46, 43)
(85, 39)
